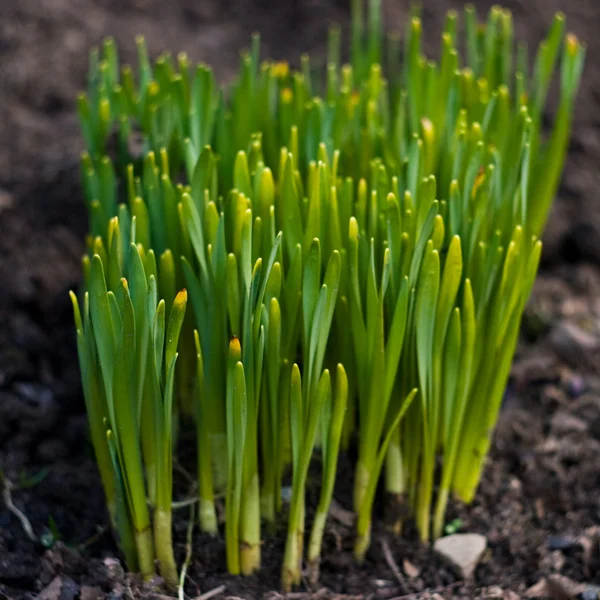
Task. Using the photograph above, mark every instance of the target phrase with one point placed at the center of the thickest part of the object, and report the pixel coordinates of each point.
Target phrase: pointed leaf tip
(235, 347)
(181, 297)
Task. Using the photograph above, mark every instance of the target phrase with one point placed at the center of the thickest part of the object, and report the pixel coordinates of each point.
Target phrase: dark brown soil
(538, 504)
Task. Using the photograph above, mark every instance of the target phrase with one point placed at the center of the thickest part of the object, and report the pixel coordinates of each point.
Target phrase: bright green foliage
(358, 256)
(311, 402)
(127, 352)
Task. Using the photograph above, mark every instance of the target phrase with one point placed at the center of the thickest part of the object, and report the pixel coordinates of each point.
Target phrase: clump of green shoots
(357, 256)
(127, 342)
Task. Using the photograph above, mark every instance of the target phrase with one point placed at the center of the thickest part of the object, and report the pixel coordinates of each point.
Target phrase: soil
(539, 502)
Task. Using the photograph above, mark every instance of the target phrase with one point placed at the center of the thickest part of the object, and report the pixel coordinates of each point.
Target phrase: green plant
(390, 225)
(311, 403)
(127, 353)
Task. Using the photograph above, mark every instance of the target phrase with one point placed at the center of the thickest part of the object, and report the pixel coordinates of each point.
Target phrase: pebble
(462, 551)
(592, 592)
(60, 588)
(561, 542)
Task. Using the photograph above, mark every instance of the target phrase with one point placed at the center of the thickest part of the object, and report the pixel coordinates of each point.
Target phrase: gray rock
(592, 592)
(60, 588)
(462, 551)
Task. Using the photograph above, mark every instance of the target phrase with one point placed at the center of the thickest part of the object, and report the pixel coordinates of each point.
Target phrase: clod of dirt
(557, 587)
(462, 551)
(60, 588)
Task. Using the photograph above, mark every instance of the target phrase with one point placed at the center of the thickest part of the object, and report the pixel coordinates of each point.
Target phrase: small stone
(463, 551)
(410, 570)
(561, 542)
(591, 592)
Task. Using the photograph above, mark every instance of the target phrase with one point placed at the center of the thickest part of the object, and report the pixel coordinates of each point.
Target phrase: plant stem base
(145, 549)
(164, 546)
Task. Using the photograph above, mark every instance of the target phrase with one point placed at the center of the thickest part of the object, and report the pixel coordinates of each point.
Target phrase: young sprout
(357, 256)
(127, 354)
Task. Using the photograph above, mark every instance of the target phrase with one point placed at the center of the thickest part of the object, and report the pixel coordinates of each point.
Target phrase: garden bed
(538, 502)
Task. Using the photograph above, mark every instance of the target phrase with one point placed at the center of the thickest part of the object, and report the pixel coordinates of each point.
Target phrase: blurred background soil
(543, 479)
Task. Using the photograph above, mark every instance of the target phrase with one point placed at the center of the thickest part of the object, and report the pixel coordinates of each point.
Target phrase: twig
(6, 495)
(436, 590)
(212, 593)
(387, 553)
(99, 533)
(183, 503)
(188, 551)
